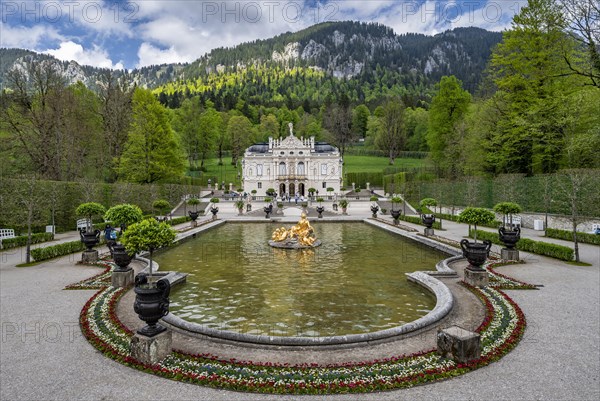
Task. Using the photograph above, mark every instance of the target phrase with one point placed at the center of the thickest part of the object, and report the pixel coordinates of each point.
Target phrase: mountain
(345, 49)
(363, 60)
(73, 72)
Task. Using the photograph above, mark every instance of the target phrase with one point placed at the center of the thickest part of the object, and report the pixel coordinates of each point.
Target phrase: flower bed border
(501, 330)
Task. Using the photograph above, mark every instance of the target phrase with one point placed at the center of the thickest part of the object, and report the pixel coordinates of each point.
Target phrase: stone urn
(193, 215)
(90, 239)
(476, 253)
(335, 206)
(214, 210)
(151, 303)
(428, 220)
(396, 215)
(374, 210)
(320, 210)
(121, 257)
(268, 210)
(509, 237)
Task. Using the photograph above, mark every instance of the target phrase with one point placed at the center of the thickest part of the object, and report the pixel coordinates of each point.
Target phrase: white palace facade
(291, 166)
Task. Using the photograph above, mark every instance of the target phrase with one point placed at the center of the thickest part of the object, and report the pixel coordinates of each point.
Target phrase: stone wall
(554, 221)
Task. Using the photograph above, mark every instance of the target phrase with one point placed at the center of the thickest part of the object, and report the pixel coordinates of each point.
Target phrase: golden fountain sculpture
(299, 236)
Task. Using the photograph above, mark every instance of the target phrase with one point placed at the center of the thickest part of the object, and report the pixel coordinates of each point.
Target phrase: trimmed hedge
(179, 220)
(361, 179)
(417, 220)
(9, 243)
(584, 238)
(392, 183)
(527, 245)
(54, 251)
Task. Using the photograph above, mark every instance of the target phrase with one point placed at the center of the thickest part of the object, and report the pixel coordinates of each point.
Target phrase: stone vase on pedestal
(374, 210)
(428, 220)
(320, 210)
(214, 210)
(90, 239)
(510, 239)
(396, 215)
(476, 254)
(151, 303)
(122, 276)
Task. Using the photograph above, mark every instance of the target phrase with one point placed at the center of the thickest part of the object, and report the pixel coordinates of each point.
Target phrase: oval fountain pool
(354, 283)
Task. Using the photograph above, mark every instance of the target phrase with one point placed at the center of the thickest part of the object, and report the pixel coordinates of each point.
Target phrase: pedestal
(122, 278)
(193, 224)
(429, 232)
(476, 278)
(509, 254)
(89, 256)
(458, 344)
(151, 350)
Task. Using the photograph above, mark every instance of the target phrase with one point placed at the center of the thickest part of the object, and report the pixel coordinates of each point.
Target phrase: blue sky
(129, 34)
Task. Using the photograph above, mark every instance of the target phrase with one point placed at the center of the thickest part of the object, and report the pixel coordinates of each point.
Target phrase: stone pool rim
(444, 304)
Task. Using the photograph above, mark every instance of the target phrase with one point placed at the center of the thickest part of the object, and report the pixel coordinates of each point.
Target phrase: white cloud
(151, 55)
(96, 57)
(27, 37)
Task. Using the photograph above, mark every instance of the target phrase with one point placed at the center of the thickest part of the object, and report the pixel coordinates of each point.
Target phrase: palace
(291, 166)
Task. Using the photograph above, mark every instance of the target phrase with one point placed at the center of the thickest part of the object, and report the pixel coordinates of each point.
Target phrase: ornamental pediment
(291, 142)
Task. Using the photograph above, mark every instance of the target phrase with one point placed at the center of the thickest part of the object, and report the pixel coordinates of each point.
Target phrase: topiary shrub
(474, 216)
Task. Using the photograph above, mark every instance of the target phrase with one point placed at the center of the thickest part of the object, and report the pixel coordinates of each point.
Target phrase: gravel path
(43, 355)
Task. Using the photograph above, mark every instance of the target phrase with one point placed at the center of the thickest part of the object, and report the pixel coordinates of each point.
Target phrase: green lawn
(226, 172)
(375, 164)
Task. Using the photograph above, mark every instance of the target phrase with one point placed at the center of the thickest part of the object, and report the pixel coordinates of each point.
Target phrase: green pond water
(354, 283)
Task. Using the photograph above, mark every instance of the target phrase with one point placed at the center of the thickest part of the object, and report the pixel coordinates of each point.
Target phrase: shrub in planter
(124, 215)
(476, 253)
(89, 210)
(507, 209)
(147, 235)
(162, 206)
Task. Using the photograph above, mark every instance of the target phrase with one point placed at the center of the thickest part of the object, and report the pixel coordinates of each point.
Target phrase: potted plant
(152, 297)
(311, 192)
(213, 208)
(194, 202)
(269, 208)
(508, 235)
(279, 207)
(396, 213)
(374, 206)
(90, 237)
(344, 205)
(239, 205)
(271, 192)
(123, 215)
(330, 192)
(320, 208)
(162, 207)
(475, 252)
(253, 192)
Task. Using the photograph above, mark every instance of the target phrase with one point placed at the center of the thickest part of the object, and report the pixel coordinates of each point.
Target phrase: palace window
(259, 185)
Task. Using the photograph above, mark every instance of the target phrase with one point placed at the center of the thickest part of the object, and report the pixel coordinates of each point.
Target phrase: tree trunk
(575, 242)
(28, 247)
